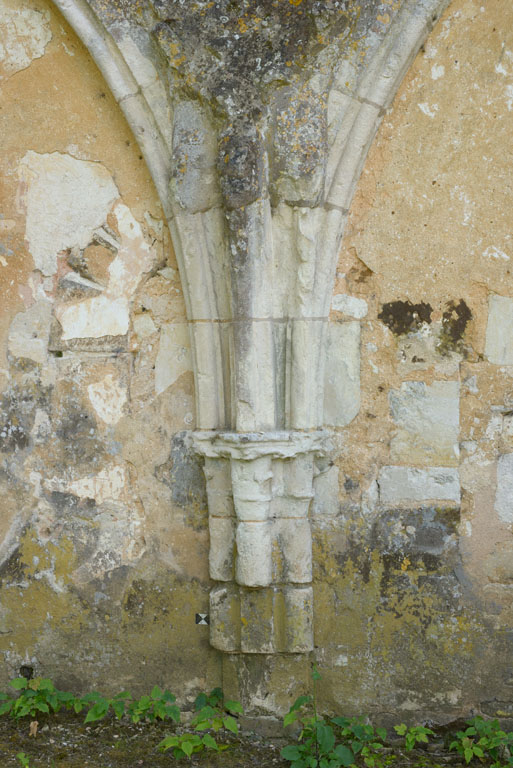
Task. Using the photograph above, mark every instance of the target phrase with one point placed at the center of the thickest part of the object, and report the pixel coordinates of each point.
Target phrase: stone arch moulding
(255, 128)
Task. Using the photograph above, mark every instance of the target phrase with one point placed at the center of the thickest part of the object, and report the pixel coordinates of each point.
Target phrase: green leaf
(290, 718)
(316, 675)
(42, 706)
(299, 702)
(122, 695)
(187, 747)
(173, 712)
(478, 751)
(19, 683)
(468, 754)
(210, 742)
(78, 706)
(231, 724)
(156, 692)
(325, 737)
(168, 697)
(344, 754)
(119, 708)
(5, 707)
(382, 733)
(203, 725)
(234, 706)
(167, 743)
(97, 711)
(201, 700)
(291, 752)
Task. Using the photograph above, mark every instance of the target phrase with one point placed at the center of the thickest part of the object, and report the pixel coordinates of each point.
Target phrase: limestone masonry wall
(231, 384)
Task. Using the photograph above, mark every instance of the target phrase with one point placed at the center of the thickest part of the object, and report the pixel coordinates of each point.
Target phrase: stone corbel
(260, 487)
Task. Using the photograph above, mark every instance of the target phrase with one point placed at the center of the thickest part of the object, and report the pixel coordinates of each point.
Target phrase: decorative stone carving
(255, 124)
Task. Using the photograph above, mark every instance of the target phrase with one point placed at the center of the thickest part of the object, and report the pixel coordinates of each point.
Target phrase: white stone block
(504, 493)
(219, 487)
(427, 417)
(254, 554)
(398, 485)
(251, 487)
(342, 377)
(222, 546)
(499, 331)
(294, 539)
(326, 499)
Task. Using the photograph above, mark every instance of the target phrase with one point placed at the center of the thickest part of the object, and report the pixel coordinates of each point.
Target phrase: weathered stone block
(219, 487)
(298, 602)
(257, 621)
(342, 381)
(427, 417)
(294, 541)
(225, 618)
(499, 330)
(407, 484)
(222, 542)
(251, 487)
(504, 493)
(254, 554)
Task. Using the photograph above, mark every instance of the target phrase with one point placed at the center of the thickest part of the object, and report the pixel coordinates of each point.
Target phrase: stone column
(259, 488)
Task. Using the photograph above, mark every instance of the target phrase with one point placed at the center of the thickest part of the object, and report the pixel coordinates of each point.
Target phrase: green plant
(417, 734)
(365, 741)
(23, 759)
(159, 705)
(484, 738)
(185, 744)
(37, 695)
(316, 745)
(213, 713)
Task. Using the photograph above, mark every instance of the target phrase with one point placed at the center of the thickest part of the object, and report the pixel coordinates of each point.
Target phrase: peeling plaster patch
(350, 305)
(94, 318)
(108, 399)
(108, 314)
(109, 484)
(173, 357)
(504, 494)
(66, 200)
(24, 35)
(429, 111)
(437, 71)
(29, 332)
